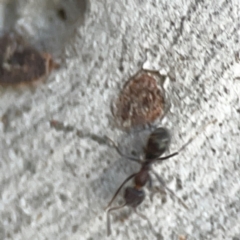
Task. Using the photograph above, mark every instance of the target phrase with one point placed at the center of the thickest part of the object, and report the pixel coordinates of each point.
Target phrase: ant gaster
(158, 142)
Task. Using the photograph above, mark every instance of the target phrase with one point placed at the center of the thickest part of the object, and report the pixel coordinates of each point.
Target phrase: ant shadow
(112, 176)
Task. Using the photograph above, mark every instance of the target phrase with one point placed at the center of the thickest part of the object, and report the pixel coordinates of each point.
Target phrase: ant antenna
(145, 218)
(134, 209)
(115, 145)
(202, 129)
(163, 183)
(108, 217)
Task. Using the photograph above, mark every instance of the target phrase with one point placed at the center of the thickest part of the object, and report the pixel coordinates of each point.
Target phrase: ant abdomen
(157, 143)
(133, 196)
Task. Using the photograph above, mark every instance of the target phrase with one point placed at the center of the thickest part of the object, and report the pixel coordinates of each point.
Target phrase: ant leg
(149, 182)
(153, 191)
(115, 195)
(197, 133)
(150, 187)
(132, 158)
(162, 182)
(145, 218)
(108, 217)
(167, 157)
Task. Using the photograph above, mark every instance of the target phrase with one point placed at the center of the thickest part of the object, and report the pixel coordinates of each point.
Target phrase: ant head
(133, 196)
(157, 143)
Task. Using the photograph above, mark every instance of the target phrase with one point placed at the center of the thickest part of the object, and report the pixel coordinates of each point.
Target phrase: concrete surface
(56, 183)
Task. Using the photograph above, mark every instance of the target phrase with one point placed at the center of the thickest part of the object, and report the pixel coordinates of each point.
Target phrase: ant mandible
(158, 142)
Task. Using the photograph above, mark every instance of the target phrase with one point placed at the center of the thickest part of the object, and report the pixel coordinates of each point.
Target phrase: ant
(157, 143)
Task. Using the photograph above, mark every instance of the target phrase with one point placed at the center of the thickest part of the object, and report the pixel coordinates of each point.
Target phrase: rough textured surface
(55, 184)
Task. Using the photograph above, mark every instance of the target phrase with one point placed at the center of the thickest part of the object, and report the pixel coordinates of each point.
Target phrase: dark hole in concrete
(179, 184)
(164, 199)
(121, 68)
(63, 197)
(62, 14)
(30, 166)
(236, 238)
(213, 150)
(134, 153)
(185, 197)
(74, 228)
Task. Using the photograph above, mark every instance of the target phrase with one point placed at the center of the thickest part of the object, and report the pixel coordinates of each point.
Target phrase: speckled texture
(55, 184)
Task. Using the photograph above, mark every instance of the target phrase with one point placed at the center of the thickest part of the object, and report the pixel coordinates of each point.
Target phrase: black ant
(158, 142)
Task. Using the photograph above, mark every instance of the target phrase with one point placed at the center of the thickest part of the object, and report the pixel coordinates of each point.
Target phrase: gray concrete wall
(55, 184)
